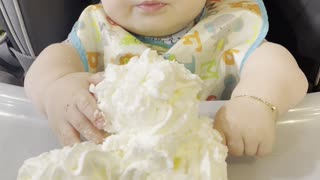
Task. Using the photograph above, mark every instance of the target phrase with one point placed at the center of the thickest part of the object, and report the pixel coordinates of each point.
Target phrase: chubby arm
(272, 74)
(247, 125)
(53, 63)
(57, 84)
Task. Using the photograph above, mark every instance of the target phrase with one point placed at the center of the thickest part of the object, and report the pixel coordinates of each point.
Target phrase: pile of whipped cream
(151, 108)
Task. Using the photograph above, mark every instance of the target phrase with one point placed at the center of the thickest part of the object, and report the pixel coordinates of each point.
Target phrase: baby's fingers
(266, 146)
(235, 145)
(250, 147)
(231, 136)
(85, 128)
(67, 135)
(87, 105)
(96, 78)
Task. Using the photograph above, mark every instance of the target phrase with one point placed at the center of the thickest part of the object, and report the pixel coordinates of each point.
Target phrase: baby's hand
(247, 125)
(96, 78)
(72, 110)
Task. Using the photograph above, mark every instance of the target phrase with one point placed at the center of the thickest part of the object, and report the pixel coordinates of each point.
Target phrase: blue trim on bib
(76, 42)
(262, 35)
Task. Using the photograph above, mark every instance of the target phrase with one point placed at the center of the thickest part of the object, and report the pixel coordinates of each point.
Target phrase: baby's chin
(155, 31)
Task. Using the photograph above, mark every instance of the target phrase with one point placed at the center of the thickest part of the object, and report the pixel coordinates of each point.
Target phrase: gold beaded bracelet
(272, 107)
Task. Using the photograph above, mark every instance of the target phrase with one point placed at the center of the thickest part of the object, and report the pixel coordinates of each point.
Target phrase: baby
(222, 41)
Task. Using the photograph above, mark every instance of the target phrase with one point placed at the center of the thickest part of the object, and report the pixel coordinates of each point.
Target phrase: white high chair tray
(25, 133)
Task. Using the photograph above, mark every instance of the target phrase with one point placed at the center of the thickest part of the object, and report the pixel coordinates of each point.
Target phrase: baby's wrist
(273, 109)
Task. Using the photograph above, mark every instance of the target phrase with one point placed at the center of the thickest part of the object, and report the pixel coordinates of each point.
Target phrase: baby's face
(153, 17)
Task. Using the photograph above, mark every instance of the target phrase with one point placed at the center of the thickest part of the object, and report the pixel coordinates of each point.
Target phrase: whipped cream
(151, 108)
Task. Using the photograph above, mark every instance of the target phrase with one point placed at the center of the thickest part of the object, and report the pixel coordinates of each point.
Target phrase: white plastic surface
(25, 133)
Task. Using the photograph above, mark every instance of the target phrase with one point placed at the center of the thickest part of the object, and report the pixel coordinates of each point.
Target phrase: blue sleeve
(262, 35)
(76, 43)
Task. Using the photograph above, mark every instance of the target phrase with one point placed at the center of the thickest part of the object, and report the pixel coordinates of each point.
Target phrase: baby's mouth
(151, 6)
